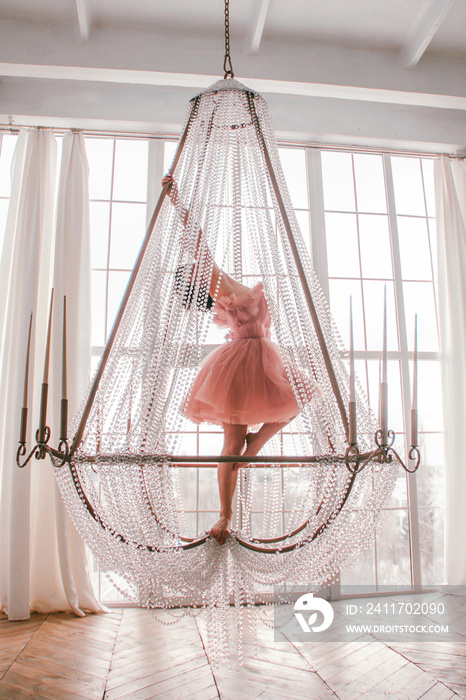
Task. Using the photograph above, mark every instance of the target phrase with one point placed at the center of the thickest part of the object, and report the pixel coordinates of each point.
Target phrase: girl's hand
(172, 188)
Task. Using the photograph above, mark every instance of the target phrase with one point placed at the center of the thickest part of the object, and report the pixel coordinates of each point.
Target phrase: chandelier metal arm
(190, 544)
(105, 355)
(194, 101)
(356, 462)
(186, 461)
(41, 449)
(413, 454)
(351, 456)
(249, 544)
(21, 452)
(384, 441)
(307, 291)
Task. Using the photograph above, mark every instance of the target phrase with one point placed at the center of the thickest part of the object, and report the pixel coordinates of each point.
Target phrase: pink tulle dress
(243, 381)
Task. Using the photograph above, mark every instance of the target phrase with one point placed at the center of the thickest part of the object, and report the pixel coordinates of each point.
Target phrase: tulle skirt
(244, 382)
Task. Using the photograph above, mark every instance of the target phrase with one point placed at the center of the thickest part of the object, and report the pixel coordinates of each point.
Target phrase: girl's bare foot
(220, 530)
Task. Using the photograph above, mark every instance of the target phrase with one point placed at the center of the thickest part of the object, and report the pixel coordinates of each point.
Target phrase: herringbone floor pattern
(126, 655)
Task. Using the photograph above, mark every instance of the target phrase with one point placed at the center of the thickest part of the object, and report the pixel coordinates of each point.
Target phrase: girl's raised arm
(174, 195)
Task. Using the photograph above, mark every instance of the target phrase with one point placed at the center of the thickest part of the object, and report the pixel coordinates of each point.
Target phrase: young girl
(241, 383)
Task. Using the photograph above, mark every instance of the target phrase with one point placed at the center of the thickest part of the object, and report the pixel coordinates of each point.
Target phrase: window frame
(318, 247)
(403, 355)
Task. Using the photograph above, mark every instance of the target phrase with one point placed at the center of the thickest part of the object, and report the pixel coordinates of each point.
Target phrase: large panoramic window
(380, 234)
(368, 222)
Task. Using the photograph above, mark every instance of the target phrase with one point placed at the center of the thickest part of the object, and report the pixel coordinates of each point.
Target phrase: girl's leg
(235, 436)
(256, 441)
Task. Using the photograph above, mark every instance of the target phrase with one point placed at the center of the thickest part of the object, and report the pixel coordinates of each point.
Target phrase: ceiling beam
(427, 26)
(262, 85)
(259, 15)
(82, 11)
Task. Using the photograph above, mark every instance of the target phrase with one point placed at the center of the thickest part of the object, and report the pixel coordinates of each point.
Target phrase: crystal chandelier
(314, 501)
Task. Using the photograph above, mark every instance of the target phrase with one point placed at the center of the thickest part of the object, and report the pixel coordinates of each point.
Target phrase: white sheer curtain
(42, 561)
(450, 182)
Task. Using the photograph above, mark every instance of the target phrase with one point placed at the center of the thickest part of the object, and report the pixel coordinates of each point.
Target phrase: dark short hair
(186, 289)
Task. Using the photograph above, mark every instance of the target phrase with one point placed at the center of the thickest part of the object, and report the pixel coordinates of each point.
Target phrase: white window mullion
(107, 285)
(317, 217)
(154, 175)
(405, 379)
(315, 189)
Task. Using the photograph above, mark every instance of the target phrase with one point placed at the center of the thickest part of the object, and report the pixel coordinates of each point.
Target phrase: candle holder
(384, 454)
(41, 449)
(384, 437)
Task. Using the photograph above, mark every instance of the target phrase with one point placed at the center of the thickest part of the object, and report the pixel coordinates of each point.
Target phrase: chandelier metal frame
(354, 460)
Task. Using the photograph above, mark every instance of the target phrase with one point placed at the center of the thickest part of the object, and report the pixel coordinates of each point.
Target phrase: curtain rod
(290, 144)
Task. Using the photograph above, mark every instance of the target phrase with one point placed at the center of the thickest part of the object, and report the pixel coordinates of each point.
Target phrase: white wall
(137, 78)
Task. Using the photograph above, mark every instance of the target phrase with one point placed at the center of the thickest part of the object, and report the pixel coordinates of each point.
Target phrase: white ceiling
(366, 23)
(396, 69)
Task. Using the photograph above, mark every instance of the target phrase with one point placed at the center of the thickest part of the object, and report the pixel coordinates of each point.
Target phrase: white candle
(26, 373)
(64, 382)
(384, 382)
(380, 384)
(24, 411)
(414, 411)
(352, 437)
(351, 355)
(47, 347)
(384, 346)
(45, 386)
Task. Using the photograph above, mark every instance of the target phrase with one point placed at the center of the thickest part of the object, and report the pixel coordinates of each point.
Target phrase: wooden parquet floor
(127, 655)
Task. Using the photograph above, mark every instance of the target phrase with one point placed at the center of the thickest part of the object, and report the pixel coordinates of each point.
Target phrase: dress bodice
(246, 315)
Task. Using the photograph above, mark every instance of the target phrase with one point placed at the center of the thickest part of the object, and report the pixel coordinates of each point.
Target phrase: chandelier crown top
(225, 84)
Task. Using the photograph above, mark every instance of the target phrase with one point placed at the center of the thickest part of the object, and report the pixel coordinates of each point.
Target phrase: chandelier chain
(227, 65)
